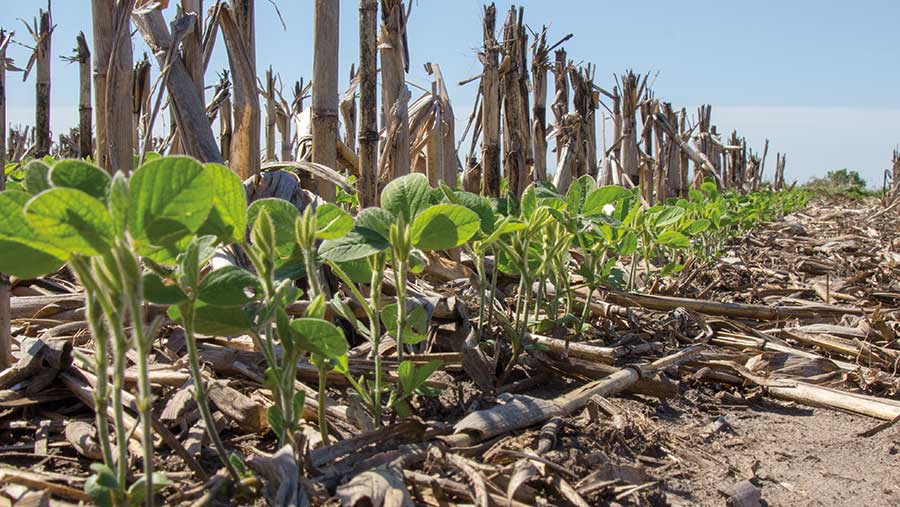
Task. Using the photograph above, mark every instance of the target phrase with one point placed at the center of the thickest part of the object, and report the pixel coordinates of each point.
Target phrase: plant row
(148, 238)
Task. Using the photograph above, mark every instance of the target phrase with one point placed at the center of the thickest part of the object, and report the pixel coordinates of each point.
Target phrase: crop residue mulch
(741, 416)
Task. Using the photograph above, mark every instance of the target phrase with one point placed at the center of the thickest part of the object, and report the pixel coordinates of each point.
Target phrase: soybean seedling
(407, 221)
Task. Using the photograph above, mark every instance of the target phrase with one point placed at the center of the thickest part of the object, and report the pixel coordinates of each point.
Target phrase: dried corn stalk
(82, 57)
(368, 103)
(585, 102)
(237, 24)
(781, 160)
(672, 155)
(112, 85)
(648, 107)
(140, 99)
(540, 64)
(490, 110)
(394, 93)
(513, 73)
(325, 90)
(284, 124)
(190, 110)
(223, 89)
(42, 33)
(631, 96)
(268, 93)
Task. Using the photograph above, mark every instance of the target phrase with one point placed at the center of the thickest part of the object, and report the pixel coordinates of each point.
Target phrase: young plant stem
(133, 291)
(520, 302)
(633, 271)
(288, 374)
(119, 350)
(482, 282)
(400, 282)
(306, 228)
(312, 272)
(85, 271)
(323, 424)
(539, 300)
(200, 392)
(101, 363)
(493, 289)
(281, 386)
(370, 314)
(521, 325)
(400, 250)
(377, 264)
(584, 311)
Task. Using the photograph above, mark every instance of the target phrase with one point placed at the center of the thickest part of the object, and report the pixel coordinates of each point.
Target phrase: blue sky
(818, 78)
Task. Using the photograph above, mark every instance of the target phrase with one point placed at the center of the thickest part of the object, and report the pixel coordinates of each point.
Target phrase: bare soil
(799, 456)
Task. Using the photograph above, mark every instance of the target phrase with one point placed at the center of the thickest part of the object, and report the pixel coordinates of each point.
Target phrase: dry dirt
(799, 456)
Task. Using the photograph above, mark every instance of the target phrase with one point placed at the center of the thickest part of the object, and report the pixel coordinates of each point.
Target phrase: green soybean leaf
(588, 183)
(228, 286)
(672, 268)
(444, 226)
(710, 188)
(80, 175)
(275, 419)
(668, 216)
(417, 261)
(316, 308)
(157, 291)
(73, 220)
(262, 234)
(597, 199)
(286, 293)
(101, 485)
(197, 252)
(407, 196)
(106, 478)
(189, 266)
(673, 239)
(332, 222)
(413, 377)
(239, 464)
(283, 215)
(212, 320)
(546, 190)
(346, 312)
(320, 337)
(358, 270)
(416, 328)
(137, 492)
(697, 227)
(24, 252)
(575, 196)
(376, 219)
(528, 202)
(118, 203)
(506, 226)
(628, 243)
(228, 218)
(481, 206)
(170, 199)
(283, 327)
(359, 243)
(36, 177)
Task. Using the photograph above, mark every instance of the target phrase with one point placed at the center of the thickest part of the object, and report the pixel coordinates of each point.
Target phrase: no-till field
(709, 427)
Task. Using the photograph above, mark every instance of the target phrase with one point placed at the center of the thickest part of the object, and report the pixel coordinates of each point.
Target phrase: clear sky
(818, 78)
